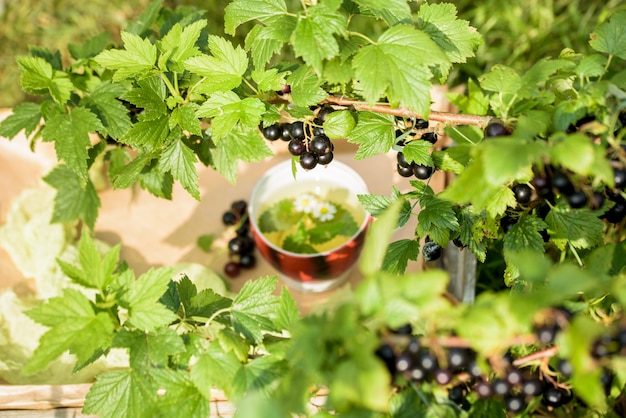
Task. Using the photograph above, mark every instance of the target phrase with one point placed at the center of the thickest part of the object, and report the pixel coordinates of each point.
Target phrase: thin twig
(446, 117)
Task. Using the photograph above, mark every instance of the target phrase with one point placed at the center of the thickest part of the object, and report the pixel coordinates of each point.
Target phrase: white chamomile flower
(325, 211)
(305, 203)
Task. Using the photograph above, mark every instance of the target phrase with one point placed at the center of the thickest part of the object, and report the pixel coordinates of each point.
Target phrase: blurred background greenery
(517, 32)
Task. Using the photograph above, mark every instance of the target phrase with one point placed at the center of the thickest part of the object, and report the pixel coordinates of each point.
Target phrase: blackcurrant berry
(543, 186)
(247, 260)
(495, 129)
(402, 160)
(483, 389)
(617, 212)
(514, 377)
(243, 230)
(457, 241)
(325, 159)
(430, 137)
(421, 124)
(272, 132)
(553, 397)
(405, 329)
(388, 356)
(231, 269)
(532, 387)
(229, 218)
(423, 172)
(431, 251)
(577, 200)
(500, 387)
(561, 182)
(457, 394)
(296, 129)
(507, 222)
(236, 245)
(239, 207)
(564, 367)
(404, 362)
(522, 193)
(546, 333)
(320, 145)
(620, 178)
(458, 357)
(442, 376)
(296, 147)
(318, 130)
(427, 360)
(414, 346)
(308, 160)
(405, 171)
(285, 133)
(323, 112)
(515, 403)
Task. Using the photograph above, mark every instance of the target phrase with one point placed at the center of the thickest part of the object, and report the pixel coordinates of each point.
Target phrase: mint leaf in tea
(317, 219)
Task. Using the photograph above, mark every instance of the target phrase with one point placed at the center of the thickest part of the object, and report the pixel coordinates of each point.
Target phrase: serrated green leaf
(455, 37)
(73, 200)
(185, 118)
(437, 219)
(398, 66)
(398, 255)
(137, 58)
(256, 296)
(579, 227)
(264, 41)
(471, 186)
(257, 375)
(501, 80)
(124, 174)
(180, 160)
(241, 11)
(215, 368)
(538, 74)
(120, 393)
(228, 111)
(418, 152)
(70, 134)
(91, 47)
(150, 96)
(475, 103)
(141, 300)
(392, 11)
(339, 124)
(237, 146)
(223, 70)
(38, 76)
(103, 101)
(180, 43)
(375, 134)
(177, 385)
(577, 153)
(76, 328)
(313, 38)
(149, 349)
(149, 134)
(374, 204)
(24, 116)
(305, 87)
(269, 80)
(287, 312)
(525, 235)
(591, 66)
(505, 159)
(96, 270)
(610, 36)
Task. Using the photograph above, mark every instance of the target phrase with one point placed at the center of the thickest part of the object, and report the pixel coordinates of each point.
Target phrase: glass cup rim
(280, 166)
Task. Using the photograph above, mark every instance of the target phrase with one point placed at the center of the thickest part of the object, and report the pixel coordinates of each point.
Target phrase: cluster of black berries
(307, 140)
(409, 169)
(241, 247)
(456, 367)
(552, 180)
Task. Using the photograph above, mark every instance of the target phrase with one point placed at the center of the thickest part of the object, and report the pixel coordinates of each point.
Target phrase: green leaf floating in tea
(307, 224)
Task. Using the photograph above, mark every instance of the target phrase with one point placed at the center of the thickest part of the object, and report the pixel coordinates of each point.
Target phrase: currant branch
(445, 117)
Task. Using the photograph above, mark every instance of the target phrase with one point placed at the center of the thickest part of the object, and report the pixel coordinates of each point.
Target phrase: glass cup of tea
(309, 224)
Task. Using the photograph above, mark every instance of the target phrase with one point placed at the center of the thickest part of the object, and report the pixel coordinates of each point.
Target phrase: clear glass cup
(325, 269)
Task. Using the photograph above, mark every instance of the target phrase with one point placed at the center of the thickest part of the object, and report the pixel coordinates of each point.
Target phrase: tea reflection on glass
(309, 228)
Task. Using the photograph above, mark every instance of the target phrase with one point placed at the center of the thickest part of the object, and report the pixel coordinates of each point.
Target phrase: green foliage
(174, 94)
